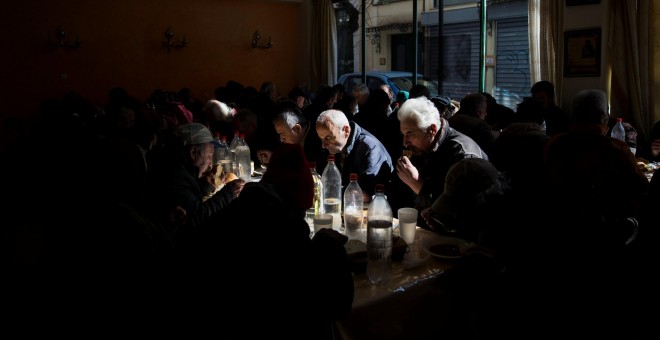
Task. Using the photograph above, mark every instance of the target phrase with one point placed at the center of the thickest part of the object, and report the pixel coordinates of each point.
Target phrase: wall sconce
(60, 39)
(169, 43)
(255, 41)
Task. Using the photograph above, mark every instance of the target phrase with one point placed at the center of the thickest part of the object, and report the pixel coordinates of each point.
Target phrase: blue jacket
(366, 156)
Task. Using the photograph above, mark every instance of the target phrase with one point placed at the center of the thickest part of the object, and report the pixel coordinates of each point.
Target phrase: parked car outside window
(395, 79)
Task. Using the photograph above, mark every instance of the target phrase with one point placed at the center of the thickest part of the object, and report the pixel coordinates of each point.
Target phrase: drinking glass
(407, 227)
(322, 221)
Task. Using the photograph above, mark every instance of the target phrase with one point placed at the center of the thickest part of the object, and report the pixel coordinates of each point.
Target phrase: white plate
(445, 247)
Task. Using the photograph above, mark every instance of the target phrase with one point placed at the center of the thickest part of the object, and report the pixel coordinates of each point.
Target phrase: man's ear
(192, 151)
(347, 130)
(432, 129)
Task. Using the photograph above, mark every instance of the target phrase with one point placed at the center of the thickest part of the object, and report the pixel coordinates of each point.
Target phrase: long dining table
(408, 306)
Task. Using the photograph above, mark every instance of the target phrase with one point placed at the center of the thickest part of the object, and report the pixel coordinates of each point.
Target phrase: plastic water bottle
(221, 153)
(216, 150)
(379, 238)
(618, 132)
(225, 157)
(216, 168)
(222, 159)
(243, 160)
(353, 206)
(317, 205)
(331, 179)
(544, 127)
(232, 149)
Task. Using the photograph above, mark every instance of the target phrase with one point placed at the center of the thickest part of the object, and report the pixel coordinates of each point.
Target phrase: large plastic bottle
(317, 205)
(618, 132)
(232, 149)
(216, 150)
(331, 179)
(379, 237)
(353, 208)
(225, 157)
(243, 160)
(222, 159)
(216, 167)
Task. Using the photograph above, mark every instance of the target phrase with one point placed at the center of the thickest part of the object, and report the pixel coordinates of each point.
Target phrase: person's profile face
(483, 110)
(542, 97)
(300, 101)
(332, 138)
(288, 135)
(415, 139)
(204, 158)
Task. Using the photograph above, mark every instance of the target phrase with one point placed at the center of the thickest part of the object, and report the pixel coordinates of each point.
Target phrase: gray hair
(361, 89)
(590, 106)
(290, 118)
(220, 111)
(336, 117)
(421, 110)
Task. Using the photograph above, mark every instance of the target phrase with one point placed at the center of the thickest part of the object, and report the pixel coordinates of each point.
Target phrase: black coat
(256, 262)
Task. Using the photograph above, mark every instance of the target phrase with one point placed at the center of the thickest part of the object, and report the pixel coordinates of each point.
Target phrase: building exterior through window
(389, 44)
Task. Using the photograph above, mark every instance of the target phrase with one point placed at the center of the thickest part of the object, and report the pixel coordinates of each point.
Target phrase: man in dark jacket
(356, 149)
(435, 147)
(177, 185)
(556, 119)
(258, 263)
(470, 120)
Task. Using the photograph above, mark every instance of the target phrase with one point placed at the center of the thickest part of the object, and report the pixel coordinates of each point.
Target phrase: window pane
(453, 61)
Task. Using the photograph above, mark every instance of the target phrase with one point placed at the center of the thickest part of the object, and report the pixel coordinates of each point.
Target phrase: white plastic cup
(407, 224)
(322, 221)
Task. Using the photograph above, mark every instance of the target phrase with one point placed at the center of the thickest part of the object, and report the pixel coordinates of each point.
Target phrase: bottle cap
(312, 164)
(379, 187)
(353, 176)
(331, 158)
(619, 120)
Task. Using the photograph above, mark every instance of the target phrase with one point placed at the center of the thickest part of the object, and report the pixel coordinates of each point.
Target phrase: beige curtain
(545, 18)
(631, 54)
(324, 44)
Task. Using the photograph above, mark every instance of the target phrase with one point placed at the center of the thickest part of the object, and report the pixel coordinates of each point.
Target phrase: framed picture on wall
(582, 53)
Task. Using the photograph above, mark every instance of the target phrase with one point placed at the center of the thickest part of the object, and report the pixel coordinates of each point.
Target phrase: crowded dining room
(330, 169)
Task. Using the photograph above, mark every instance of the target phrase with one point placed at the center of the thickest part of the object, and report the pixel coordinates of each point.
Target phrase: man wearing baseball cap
(177, 187)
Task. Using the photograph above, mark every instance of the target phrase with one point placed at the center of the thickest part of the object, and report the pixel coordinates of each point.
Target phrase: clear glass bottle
(353, 208)
(317, 205)
(379, 238)
(332, 192)
(243, 160)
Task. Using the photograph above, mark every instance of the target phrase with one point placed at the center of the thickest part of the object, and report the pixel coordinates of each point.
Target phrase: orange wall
(122, 47)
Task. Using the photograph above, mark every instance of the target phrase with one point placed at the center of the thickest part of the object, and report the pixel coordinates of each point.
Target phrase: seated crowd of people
(116, 207)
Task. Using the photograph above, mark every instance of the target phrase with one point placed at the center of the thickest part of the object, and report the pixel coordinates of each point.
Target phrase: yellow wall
(122, 47)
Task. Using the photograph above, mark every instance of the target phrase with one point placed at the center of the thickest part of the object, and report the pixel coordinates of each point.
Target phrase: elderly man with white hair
(432, 147)
(356, 150)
